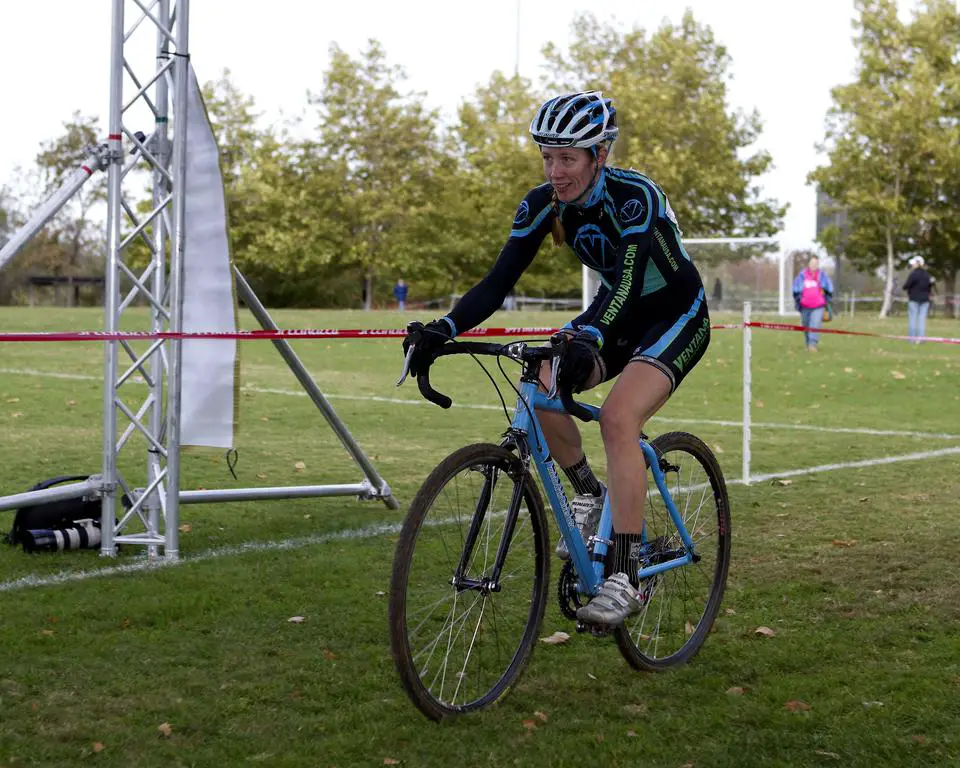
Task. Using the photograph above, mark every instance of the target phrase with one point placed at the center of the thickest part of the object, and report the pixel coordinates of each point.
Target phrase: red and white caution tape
(387, 333)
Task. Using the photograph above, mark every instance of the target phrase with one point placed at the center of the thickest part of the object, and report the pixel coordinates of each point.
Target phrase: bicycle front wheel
(681, 603)
(459, 647)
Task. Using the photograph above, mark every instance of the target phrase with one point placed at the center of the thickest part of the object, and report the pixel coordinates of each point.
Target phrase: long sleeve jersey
(626, 231)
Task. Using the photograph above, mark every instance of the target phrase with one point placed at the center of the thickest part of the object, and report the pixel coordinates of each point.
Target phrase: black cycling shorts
(673, 344)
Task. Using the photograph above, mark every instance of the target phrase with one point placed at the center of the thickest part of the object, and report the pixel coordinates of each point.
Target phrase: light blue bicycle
(472, 565)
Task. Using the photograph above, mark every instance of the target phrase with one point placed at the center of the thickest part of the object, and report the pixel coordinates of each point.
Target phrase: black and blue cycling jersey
(628, 233)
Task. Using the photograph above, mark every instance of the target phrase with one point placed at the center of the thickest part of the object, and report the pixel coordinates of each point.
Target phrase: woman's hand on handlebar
(425, 340)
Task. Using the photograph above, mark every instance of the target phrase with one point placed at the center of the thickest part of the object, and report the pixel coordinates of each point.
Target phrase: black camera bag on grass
(57, 517)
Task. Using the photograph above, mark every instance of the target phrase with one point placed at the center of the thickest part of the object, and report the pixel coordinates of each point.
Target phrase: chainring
(567, 595)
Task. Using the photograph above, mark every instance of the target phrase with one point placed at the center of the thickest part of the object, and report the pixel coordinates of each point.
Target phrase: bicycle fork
(488, 584)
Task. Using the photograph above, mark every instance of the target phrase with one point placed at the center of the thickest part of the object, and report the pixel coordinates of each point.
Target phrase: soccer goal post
(734, 270)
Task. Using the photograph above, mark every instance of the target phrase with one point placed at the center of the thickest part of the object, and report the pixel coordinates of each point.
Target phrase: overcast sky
(786, 56)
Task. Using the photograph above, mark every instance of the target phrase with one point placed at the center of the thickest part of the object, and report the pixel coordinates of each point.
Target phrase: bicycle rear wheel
(460, 650)
(683, 602)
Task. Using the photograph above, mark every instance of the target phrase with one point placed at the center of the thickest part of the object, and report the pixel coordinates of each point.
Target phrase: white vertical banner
(209, 367)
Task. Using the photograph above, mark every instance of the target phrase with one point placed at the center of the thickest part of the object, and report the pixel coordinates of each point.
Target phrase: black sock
(627, 547)
(582, 478)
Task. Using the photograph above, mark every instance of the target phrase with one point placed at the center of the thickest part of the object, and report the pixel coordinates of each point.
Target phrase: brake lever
(554, 370)
(406, 364)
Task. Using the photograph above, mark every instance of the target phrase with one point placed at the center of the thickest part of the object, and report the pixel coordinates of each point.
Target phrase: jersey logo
(592, 246)
(632, 210)
(523, 213)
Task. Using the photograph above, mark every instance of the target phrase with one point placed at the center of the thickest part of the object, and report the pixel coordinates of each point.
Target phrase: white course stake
(746, 392)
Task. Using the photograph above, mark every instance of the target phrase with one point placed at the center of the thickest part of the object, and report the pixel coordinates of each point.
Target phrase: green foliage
(893, 141)
(378, 188)
(670, 90)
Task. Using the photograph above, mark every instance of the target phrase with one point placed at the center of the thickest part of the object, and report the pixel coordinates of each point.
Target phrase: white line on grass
(476, 406)
(852, 464)
(65, 577)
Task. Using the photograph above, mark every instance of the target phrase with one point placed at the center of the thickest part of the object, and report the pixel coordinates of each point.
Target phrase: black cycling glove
(578, 361)
(427, 339)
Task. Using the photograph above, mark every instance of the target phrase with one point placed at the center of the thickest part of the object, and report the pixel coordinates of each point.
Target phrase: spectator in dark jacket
(400, 294)
(919, 286)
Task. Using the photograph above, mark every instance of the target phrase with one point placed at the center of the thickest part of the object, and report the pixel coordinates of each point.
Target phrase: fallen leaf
(262, 476)
(872, 704)
(898, 374)
(13, 399)
(865, 498)
(125, 624)
(71, 403)
(529, 724)
(185, 528)
(730, 612)
(845, 542)
(390, 761)
(165, 730)
(635, 709)
(601, 738)
(591, 676)
(380, 593)
(46, 632)
(541, 715)
(689, 628)
(831, 755)
(848, 370)
(556, 638)
(98, 747)
(781, 481)
(328, 654)
(717, 448)
(736, 690)
(297, 619)
(631, 733)
(16, 415)
(307, 516)
(299, 466)
(759, 403)
(765, 631)
(796, 706)
(919, 739)
(264, 418)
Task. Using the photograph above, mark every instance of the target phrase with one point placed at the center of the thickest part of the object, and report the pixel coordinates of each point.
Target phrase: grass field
(855, 569)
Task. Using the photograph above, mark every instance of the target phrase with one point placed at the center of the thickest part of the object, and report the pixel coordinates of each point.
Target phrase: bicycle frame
(526, 427)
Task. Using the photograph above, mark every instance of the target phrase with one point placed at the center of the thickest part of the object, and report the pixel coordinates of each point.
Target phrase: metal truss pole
(155, 420)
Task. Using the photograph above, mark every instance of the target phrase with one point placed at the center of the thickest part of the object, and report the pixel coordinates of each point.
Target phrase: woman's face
(570, 170)
(813, 263)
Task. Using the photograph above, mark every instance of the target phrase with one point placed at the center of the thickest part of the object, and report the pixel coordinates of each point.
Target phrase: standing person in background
(812, 290)
(400, 294)
(919, 286)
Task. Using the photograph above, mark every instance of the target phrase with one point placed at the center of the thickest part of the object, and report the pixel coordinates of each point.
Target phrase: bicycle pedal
(597, 630)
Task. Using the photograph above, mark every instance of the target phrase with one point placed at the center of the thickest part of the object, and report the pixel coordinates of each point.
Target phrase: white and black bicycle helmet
(582, 119)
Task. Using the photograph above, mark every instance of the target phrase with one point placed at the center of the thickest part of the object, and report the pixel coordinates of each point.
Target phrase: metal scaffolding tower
(160, 92)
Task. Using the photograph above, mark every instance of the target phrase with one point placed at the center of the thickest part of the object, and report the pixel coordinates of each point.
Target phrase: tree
(891, 141)
(75, 226)
(385, 143)
(701, 154)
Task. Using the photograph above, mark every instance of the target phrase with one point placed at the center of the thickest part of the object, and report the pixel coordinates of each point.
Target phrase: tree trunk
(956, 294)
(368, 292)
(888, 284)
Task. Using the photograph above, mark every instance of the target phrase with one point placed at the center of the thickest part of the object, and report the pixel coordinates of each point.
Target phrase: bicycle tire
(439, 687)
(647, 639)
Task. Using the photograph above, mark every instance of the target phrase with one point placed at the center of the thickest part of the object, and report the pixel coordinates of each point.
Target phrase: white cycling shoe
(617, 600)
(586, 511)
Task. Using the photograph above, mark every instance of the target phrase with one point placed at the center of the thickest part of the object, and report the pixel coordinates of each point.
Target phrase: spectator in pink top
(812, 291)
